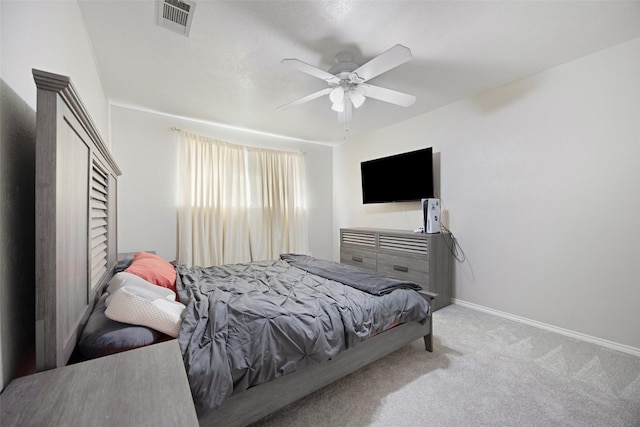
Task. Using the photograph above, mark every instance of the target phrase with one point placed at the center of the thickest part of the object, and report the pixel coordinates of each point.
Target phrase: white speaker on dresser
(431, 213)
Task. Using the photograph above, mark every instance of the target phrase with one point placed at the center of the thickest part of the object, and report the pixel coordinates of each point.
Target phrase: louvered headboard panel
(75, 217)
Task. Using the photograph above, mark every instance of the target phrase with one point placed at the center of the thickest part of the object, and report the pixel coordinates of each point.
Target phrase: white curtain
(277, 209)
(238, 204)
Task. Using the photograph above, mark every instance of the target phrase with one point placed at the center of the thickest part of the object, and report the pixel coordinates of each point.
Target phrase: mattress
(246, 324)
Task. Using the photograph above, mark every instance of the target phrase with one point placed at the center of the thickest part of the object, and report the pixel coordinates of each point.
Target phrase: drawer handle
(401, 268)
(356, 258)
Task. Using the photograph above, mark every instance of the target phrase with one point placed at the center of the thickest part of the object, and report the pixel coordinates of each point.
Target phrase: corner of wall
(17, 236)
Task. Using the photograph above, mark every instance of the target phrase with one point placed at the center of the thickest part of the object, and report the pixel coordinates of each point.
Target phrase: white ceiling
(228, 70)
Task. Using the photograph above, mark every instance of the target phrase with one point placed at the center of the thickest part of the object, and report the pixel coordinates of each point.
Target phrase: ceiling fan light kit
(346, 81)
(337, 95)
(357, 96)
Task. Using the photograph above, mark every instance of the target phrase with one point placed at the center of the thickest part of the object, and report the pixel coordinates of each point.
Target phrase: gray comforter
(246, 324)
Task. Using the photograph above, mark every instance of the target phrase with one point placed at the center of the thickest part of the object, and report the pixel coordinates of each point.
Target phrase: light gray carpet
(484, 371)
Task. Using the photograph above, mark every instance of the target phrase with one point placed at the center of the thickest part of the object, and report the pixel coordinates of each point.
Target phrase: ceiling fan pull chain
(347, 111)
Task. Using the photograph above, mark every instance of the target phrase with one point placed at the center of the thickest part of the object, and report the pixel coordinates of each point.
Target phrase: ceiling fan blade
(388, 95)
(387, 60)
(311, 70)
(307, 98)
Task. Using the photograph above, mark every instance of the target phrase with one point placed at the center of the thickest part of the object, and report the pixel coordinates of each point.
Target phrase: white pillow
(137, 286)
(159, 314)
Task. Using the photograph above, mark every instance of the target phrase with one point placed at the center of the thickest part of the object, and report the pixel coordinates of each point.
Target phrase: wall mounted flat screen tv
(400, 178)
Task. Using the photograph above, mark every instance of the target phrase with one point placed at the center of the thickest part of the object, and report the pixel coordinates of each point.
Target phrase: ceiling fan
(347, 81)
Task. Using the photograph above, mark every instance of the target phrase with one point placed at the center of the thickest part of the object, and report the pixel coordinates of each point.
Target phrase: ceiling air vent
(175, 15)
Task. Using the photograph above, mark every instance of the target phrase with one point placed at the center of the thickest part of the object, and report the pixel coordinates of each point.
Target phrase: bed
(76, 261)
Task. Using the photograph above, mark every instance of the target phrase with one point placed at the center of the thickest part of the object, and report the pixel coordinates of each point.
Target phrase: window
(238, 204)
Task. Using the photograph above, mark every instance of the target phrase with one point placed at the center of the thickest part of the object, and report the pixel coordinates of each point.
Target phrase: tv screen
(400, 178)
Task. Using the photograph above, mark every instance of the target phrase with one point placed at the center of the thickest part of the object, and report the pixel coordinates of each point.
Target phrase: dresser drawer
(420, 258)
(358, 257)
(405, 268)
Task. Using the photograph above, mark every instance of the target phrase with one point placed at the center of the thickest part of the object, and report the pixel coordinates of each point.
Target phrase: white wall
(144, 147)
(50, 36)
(540, 182)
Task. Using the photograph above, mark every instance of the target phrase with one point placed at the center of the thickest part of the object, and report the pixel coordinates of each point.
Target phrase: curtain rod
(304, 153)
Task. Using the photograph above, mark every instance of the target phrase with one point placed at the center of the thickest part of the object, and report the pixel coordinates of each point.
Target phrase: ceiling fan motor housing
(344, 71)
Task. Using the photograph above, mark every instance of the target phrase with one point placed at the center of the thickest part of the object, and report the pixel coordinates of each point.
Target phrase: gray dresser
(421, 258)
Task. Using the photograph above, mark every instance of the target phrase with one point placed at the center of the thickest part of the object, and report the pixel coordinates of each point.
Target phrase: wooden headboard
(76, 249)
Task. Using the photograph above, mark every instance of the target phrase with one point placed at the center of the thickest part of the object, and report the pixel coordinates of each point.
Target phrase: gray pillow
(102, 336)
(123, 264)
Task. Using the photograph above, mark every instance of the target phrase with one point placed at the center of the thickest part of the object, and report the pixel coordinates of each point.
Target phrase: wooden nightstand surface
(142, 387)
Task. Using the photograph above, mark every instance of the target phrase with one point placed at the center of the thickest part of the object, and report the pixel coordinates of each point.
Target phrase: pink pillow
(154, 269)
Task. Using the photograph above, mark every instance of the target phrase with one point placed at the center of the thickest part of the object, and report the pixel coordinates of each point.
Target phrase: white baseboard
(567, 332)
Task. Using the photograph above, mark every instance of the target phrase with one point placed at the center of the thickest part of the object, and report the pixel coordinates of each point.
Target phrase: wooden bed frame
(76, 251)
(75, 218)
